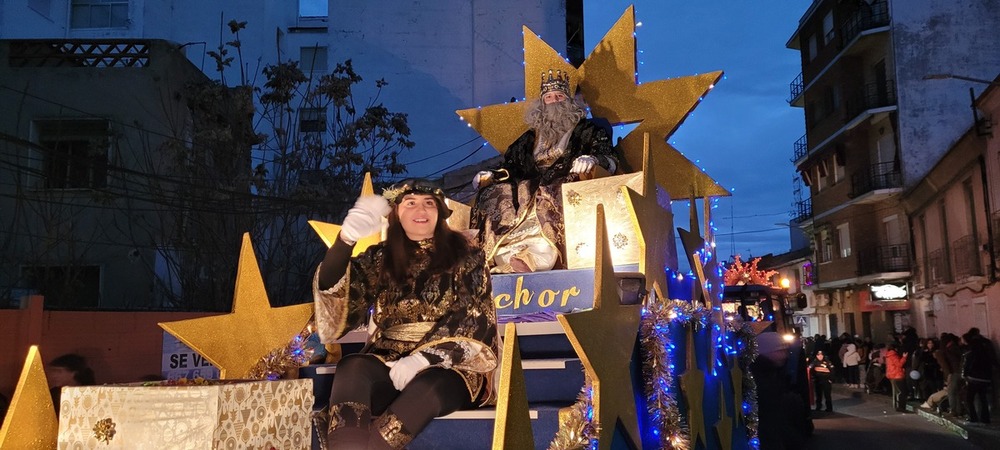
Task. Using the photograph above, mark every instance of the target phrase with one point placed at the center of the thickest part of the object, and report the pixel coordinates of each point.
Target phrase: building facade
(437, 56)
(876, 125)
(955, 216)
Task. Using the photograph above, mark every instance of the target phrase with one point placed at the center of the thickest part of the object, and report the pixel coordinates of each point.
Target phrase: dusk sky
(742, 133)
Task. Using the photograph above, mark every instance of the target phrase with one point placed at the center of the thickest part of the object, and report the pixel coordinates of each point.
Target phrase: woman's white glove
(364, 218)
(583, 164)
(402, 371)
(484, 176)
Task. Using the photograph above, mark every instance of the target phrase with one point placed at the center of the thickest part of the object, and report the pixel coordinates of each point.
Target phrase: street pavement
(862, 421)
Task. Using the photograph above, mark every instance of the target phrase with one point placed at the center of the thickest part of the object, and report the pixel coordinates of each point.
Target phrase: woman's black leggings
(362, 383)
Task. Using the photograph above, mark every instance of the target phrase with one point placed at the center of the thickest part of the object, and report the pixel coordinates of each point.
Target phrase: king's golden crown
(557, 81)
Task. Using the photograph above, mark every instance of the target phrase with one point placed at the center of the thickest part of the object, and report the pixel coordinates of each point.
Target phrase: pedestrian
(977, 371)
(895, 371)
(434, 345)
(70, 369)
(822, 373)
(851, 361)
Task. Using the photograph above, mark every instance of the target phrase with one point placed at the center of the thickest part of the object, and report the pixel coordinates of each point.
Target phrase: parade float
(620, 350)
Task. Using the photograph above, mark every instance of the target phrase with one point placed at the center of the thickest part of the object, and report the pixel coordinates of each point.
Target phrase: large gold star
(693, 385)
(512, 428)
(607, 80)
(31, 421)
(724, 427)
(651, 218)
(235, 342)
(604, 338)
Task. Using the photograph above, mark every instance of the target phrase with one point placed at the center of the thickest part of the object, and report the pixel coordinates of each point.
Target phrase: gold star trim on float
(31, 421)
(693, 385)
(328, 232)
(235, 342)
(736, 376)
(603, 338)
(607, 80)
(512, 427)
(649, 218)
(724, 427)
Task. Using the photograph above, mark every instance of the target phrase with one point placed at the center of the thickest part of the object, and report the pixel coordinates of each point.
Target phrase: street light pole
(945, 76)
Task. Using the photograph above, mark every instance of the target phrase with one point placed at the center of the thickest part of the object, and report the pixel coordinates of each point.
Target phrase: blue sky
(742, 134)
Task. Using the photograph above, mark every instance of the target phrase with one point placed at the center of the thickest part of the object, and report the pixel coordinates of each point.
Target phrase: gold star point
(693, 385)
(736, 376)
(648, 215)
(31, 419)
(512, 428)
(604, 338)
(328, 232)
(724, 427)
(235, 342)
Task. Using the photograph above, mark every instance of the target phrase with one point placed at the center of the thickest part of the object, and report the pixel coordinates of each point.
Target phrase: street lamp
(945, 76)
(983, 125)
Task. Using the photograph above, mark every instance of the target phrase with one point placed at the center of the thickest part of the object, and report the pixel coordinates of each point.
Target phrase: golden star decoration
(512, 428)
(31, 421)
(693, 385)
(603, 338)
(328, 231)
(736, 376)
(235, 342)
(608, 81)
(724, 427)
(651, 221)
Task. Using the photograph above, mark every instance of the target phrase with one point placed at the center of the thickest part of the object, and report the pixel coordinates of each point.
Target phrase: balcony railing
(886, 258)
(874, 16)
(803, 211)
(871, 96)
(801, 148)
(795, 88)
(966, 253)
(937, 264)
(878, 176)
(79, 53)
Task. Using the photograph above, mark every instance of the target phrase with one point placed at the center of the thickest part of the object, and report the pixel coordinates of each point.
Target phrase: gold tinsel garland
(578, 429)
(276, 364)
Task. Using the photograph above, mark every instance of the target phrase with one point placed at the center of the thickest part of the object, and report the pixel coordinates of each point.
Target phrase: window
(99, 14)
(844, 239)
(65, 286)
(825, 246)
(839, 165)
(313, 8)
(828, 28)
(312, 59)
(812, 47)
(76, 153)
(312, 120)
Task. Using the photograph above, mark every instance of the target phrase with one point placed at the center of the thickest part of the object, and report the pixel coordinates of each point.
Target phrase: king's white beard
(552, 121)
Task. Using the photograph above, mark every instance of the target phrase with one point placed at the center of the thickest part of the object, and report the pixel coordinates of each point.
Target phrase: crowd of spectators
(949, 375)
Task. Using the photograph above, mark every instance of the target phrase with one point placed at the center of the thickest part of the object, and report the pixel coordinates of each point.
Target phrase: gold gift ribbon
(409, 332)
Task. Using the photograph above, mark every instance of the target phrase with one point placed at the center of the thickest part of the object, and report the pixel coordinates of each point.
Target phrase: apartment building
(875, 126)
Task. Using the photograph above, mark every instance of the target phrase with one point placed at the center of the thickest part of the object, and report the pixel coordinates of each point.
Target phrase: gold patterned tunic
(448, 317)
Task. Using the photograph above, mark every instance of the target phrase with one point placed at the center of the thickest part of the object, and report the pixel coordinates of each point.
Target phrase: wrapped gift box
(580, 201)
(221, 415)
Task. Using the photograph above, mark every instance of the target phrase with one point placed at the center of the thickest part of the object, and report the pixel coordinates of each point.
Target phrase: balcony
(884, 259)
(803, 211)
(938, 267)
(874, 16)
(801, 148)
(966, 253)
(795, 89)
(878, 177)
(100, 53)
(871, 96)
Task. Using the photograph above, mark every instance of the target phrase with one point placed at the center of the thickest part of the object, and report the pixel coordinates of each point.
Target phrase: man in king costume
(518, 210)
